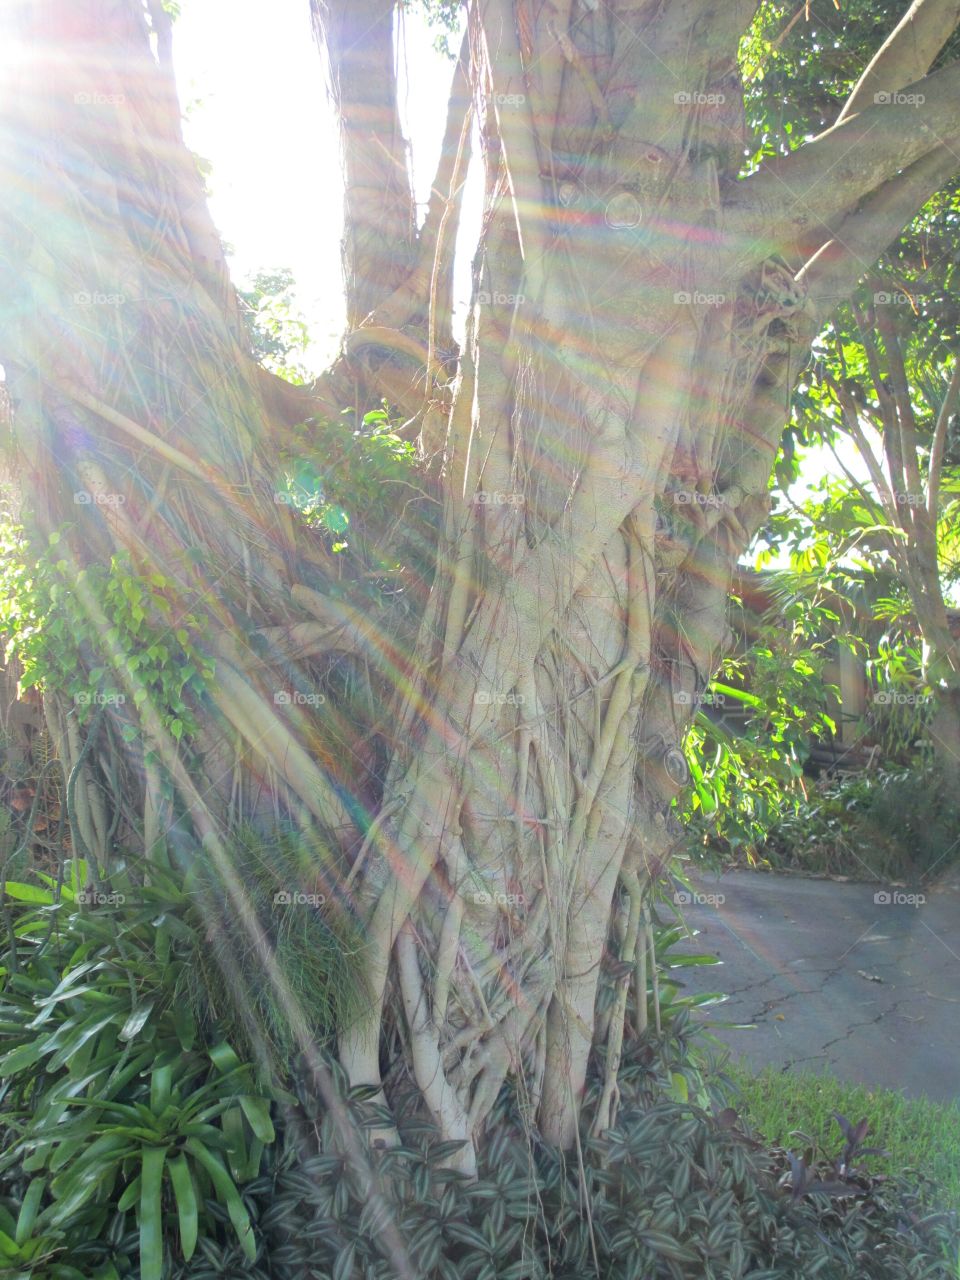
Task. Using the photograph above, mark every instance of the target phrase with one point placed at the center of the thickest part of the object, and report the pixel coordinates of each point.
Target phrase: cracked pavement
(833, 978)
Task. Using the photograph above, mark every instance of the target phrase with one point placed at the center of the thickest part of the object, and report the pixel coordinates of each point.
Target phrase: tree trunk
(600, 451)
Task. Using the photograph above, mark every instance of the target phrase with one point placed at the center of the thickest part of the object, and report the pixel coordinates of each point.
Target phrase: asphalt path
(860, 980)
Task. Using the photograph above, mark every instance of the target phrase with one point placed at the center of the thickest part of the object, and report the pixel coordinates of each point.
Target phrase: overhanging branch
(809, 192)
(832, 273)
(907, 53)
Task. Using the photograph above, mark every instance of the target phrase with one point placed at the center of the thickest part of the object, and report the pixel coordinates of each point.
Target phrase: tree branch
(906, 420)
(458, 106)
(947, 410)
(517, 135)
(890, 434)
(379, 235)
(907, 54)
(887, 499)
(832, 273)
(807, 193)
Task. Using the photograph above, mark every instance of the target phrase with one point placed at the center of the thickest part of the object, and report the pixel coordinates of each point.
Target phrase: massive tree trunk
(600, 451)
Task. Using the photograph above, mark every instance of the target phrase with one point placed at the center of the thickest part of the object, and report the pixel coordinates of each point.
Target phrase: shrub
(889, 825)
(140, 1142)
(671, 1191)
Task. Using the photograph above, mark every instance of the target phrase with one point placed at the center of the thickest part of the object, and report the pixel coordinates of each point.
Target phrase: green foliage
(139, 1146)
(347, 491)
(444, 16)
(861, 604)
(669, 1192)
(277, 332)
(891, 825)
(800, 61)
(119, 1117)
(676, 1061)
(745, 776)
(286, 884)
(919, 1136)
(101, 635)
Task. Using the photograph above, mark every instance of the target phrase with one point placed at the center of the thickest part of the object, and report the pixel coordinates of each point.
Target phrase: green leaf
(224, 1057)
(151, 1222)
(26, 1055)
(160, 1083)
(343, 1267)
(232, 1124)
(227, 1194)
(257, 1112)
(136, 1022)
(91, 1028)
(8, 1247)
(29, 1209)
(21, 892)
(131, 1195)
(186, 1198)
(738, 695)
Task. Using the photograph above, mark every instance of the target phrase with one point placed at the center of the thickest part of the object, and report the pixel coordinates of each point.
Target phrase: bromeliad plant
(117, 1106)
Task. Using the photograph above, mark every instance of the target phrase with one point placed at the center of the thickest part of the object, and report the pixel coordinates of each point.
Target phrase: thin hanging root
(641, 987)
(594, 92)
(438, 1093)
(452, 204)
(539, 1066)
(654, 975)
(489, 1078)
(623, 695)
(446, 958)
(460, 581)
(610, 1098)
(267, 735)
(172, 455)
(372, 831)
(88, 831)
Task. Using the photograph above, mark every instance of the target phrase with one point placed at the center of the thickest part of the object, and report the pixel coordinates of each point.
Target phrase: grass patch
(918, 1134)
